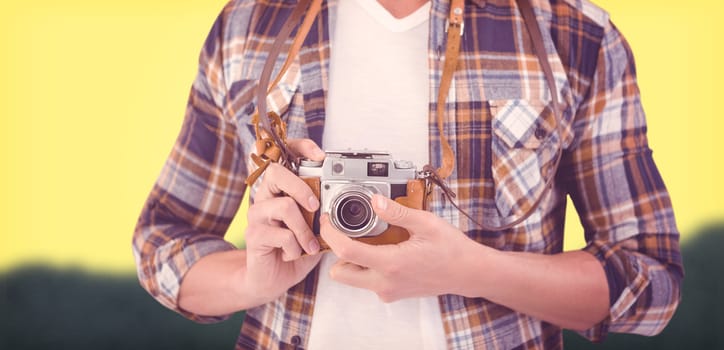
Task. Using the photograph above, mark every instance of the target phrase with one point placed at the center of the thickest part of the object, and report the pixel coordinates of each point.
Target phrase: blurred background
(92, 96)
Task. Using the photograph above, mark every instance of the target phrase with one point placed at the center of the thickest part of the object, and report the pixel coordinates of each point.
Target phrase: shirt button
(249, 109)
(540, 133)
(296, 340)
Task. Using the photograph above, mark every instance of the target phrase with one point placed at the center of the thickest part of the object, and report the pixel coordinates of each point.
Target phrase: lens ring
(352, 213)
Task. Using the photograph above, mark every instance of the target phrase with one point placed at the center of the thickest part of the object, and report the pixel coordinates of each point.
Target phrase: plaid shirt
(499, 122)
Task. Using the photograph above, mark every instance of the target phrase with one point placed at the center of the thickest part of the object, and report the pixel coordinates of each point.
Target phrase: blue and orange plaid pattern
(500, 125)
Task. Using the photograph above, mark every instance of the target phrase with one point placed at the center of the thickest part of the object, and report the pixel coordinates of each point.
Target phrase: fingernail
(313, 247)
(313, 203)
(381, 203)
(319, 153)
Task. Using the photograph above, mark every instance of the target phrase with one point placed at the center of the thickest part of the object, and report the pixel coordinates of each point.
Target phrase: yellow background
(92, 95)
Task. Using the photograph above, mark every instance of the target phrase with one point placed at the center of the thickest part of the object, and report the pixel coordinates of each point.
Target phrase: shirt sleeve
(199, 189)
(621, 198)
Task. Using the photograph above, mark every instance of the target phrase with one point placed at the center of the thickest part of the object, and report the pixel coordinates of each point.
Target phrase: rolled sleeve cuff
(173, 260)
(627, 280)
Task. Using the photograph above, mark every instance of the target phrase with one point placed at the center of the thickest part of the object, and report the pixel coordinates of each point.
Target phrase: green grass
(43, 308)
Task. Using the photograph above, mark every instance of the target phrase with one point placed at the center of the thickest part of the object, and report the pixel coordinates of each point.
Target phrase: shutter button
(540, 133)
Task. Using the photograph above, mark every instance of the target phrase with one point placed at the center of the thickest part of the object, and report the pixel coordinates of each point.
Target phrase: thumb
(306, 148)
(394, 213)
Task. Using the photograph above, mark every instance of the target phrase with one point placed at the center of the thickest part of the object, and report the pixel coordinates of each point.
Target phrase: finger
(397, 214)
(353, 275)
(284, 210)
(275, 238)
(279, 180)
(306, 148)
(307, 263)
(353, 251)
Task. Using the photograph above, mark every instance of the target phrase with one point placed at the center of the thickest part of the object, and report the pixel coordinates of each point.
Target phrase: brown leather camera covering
(415, 199)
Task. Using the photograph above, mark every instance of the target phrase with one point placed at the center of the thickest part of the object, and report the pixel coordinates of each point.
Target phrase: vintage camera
(346, 181)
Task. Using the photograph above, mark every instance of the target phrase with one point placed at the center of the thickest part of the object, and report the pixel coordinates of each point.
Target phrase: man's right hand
(277, 235)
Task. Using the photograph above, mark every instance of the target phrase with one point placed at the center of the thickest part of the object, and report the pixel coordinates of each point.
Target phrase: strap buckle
(429, 174)
(460, 25)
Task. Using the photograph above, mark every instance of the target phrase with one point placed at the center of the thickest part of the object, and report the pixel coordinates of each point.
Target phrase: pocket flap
(521, 123)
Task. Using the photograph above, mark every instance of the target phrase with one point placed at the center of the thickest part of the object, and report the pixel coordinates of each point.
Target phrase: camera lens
(354, 213)
(350, 210)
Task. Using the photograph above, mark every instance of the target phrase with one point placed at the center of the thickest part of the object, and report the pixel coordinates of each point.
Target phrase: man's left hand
(432, 262)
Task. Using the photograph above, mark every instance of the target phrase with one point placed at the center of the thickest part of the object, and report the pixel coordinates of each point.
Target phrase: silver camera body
(348, 179)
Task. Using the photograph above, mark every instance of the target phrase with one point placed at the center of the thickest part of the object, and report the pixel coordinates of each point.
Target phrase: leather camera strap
(540, 50)
(271, 135)
(452, 50)
(536, 37)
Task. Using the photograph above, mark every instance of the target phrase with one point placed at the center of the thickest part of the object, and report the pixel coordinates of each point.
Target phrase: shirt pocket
(523, 147)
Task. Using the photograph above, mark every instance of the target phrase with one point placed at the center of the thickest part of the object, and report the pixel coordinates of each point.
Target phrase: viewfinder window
(379, 169)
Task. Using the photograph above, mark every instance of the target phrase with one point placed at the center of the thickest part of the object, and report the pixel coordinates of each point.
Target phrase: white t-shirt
(378, 99)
